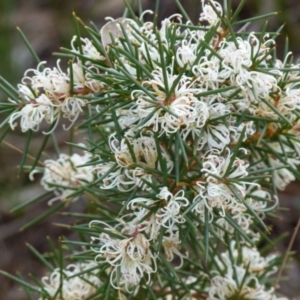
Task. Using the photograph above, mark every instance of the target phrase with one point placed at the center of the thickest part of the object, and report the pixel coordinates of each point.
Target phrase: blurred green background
(48, 25)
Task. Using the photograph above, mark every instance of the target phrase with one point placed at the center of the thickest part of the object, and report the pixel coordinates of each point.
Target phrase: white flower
(114, 28)
(246, 287)
(207, 72)
(110, 174)
(142, 221)
(82, 79)
(144, 149)
(236, 67)
(131, 257)
(195, 128)
(250, 130)
(170, 214)
(88, 49)
(214, 191)
(209, 12)
(171, 245)
(27, 93)
(49, 95)
(186, 54)
(162, 113)
(78, 76)
(72, 107)
(243, 220)
(290, 100)
(149, 52)
(125, 174)
(216, 134)
(216, 166)
(66, 285)
(33, 113)
(54, 82)
(239, 214)
(283, 176)
(64, 175)
(166, 24)
(247, 257)
(241, 268)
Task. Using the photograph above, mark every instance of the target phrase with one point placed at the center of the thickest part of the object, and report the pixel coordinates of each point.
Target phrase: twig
(20, 151)
(287, 254)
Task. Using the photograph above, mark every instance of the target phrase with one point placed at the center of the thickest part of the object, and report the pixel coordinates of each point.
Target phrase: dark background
(48, 26)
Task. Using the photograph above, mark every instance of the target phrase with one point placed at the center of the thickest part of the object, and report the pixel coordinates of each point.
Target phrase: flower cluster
(49, 94)
(239, 275)
(132, 257)
(130, 250)
(65, 175)
(225, 190)
(131, 155)
(77, 281)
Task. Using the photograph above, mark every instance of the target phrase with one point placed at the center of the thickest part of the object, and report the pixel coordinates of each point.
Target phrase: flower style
(66, 284)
